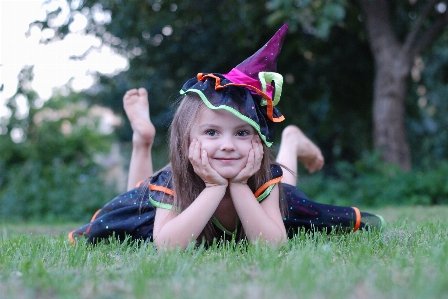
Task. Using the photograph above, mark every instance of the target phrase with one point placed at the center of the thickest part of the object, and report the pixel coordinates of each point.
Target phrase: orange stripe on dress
(70, 234)
(266, 185)
(70, 238)
(161, 189)
(358, 219)
(94, 215)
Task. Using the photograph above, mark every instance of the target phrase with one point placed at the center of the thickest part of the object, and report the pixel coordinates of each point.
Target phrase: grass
(408, 260)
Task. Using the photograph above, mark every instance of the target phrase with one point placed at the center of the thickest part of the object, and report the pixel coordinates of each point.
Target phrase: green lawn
(408, 260)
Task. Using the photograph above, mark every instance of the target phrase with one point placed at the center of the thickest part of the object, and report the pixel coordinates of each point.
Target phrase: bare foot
(307, 152)
(135, 103)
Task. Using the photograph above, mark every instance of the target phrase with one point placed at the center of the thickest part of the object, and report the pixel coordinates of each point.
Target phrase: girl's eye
(243, 133)
(211, 132)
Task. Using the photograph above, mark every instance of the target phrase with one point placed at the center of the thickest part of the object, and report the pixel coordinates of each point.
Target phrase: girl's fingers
(258, 153)
(251, 159)
(197, 152)
(191, 151)
(204, 159)
(194, 153)
(198, 157)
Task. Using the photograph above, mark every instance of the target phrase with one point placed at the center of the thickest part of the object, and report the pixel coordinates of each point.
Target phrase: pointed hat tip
(265, 59)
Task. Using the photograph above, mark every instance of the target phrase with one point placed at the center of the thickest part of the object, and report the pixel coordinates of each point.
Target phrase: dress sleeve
(160, 189)
(266, 188)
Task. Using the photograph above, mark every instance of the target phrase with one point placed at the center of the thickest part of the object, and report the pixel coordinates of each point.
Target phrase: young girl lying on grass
(222, 181)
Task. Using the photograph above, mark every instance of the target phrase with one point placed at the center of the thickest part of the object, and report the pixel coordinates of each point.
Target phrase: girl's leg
(302, 212)
(296, 147)
(136, 105)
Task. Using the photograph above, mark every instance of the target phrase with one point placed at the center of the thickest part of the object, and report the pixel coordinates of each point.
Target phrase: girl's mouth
(226, 160)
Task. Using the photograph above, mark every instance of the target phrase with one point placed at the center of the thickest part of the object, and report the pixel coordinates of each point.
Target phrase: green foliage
(56, 192)
(370, 182)
(315, 17)
(327, 93)
(408, 260)
(428, 121)
(325, 60)
(50, 171)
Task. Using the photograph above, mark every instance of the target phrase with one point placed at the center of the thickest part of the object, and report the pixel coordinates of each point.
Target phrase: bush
(50, 172)
(370, 182)
(58, 192)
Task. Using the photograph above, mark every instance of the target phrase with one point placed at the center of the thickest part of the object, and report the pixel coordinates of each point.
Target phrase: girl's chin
(228, 174)
(228, 171)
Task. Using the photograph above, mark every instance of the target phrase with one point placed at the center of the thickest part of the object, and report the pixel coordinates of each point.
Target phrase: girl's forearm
(257, 223)
(187, 226)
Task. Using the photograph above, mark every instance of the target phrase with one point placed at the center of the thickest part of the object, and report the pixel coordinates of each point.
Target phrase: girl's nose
(227, 144)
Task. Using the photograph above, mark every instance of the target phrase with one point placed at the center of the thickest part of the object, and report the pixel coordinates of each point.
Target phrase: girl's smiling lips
(226, 160)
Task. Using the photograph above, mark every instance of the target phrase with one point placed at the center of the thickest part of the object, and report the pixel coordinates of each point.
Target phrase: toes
(142, 92)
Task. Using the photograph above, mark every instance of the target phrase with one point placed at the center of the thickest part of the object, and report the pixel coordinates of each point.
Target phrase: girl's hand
(201, 166)
(253, 162)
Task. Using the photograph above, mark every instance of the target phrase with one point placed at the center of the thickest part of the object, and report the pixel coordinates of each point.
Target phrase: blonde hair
(187, 184)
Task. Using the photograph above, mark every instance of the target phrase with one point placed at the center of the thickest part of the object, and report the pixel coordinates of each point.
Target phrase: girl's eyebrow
(207, 125)
(244, 126)
(213, 126)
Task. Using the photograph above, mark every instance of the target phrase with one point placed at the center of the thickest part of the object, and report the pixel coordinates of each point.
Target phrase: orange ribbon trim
(70, 234)
(358, 219)
(266, 185)
(70, 238)
(161, 189)
(270, 106)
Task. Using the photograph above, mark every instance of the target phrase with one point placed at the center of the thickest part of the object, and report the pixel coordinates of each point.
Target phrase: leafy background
(56, 171)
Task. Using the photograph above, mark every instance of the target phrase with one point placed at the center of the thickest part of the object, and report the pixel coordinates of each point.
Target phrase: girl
(222, 181)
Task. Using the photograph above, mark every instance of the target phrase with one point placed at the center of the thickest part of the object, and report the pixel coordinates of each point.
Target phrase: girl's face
(226, 138)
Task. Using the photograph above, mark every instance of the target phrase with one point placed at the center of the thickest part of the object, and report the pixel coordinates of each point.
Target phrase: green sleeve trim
(265, 193)
(159, 204)
(227, 232)
(231, 110)
(219, 225)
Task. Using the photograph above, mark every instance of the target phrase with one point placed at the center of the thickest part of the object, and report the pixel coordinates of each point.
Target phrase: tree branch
(410, 39)
(430, 34)
(379, 26)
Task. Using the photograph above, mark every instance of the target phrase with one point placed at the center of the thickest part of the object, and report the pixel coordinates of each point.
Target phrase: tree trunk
(389, 116)
(393, 66)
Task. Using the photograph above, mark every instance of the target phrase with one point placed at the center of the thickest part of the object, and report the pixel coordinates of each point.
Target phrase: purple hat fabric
(265, 59)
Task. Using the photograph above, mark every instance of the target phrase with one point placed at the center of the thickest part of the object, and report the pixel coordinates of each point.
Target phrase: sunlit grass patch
(408, 260)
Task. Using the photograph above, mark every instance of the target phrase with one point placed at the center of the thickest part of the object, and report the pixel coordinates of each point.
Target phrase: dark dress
(132, 214)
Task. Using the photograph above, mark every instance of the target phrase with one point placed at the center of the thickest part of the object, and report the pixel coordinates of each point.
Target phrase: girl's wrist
(216, 192)
(224, 186)
(237, 183)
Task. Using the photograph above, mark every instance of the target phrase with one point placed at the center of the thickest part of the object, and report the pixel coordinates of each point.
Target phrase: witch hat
(265, 59)
(249, 91)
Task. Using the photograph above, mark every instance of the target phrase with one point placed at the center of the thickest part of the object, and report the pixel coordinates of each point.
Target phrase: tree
(328, 60)
(168, 42)
(398, 32)
(394, 55)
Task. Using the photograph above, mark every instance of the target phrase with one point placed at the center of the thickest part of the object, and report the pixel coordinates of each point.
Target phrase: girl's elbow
(274, 241)
(281, 238)
(168, 244)
(159, 243)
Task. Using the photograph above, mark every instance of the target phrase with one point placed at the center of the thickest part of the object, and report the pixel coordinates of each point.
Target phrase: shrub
(50, 172)
(370, 182)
